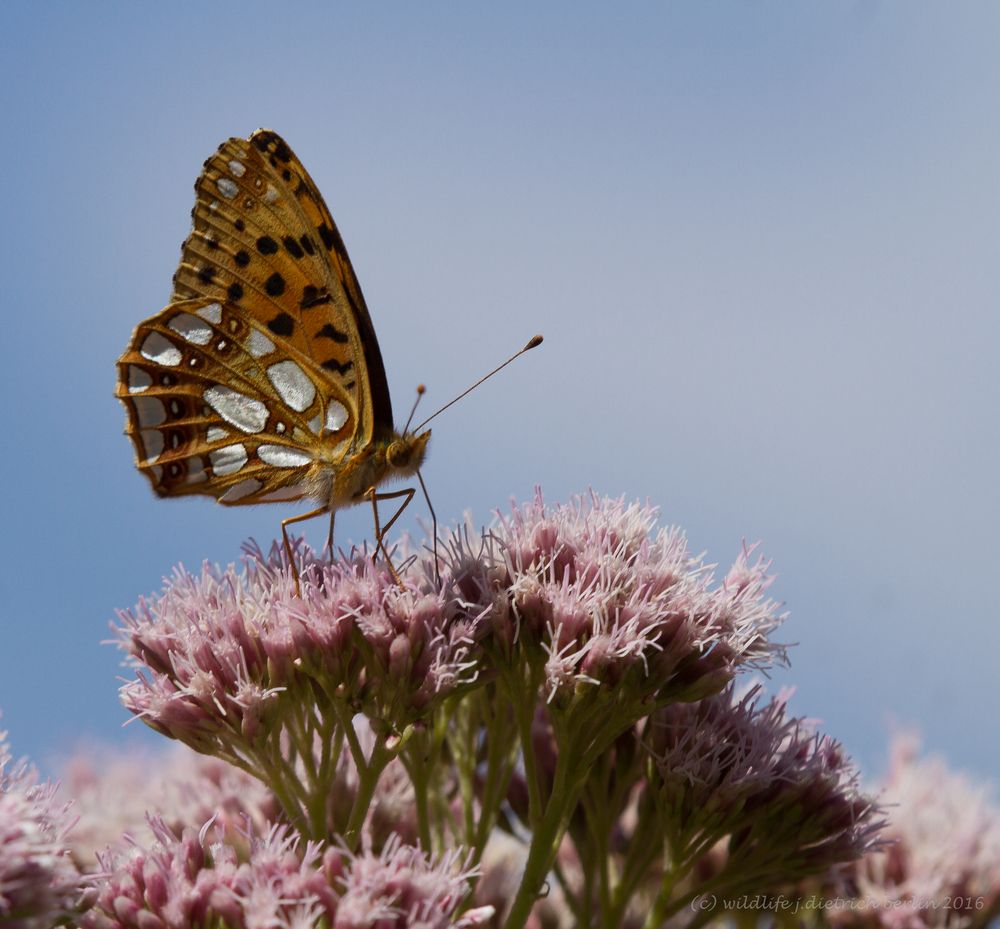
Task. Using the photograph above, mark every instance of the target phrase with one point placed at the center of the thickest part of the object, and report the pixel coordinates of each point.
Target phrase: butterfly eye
(398, 455)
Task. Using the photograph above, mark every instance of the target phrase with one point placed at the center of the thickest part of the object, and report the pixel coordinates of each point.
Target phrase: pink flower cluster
(614, 601)
(940, 862)
(786, 797)
(39, 884)
(226, 652)
(559, 673)
(228, 658)
(197, 879)
(113, 791)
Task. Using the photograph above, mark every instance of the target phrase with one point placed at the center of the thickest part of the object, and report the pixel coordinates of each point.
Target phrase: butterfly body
(346, 482)
(262, 381)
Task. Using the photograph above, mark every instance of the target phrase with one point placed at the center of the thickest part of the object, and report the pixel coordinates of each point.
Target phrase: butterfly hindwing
(218, 405)
(264, 242)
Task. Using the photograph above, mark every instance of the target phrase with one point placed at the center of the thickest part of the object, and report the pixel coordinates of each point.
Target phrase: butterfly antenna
(534, 342)
(420, 392)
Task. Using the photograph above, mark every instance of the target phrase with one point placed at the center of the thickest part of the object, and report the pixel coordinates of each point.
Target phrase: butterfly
(262, 380)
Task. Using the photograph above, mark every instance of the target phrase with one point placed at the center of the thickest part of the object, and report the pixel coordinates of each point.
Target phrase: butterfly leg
(285, 523)
(434, 522)
(380, 531)
(329, 535)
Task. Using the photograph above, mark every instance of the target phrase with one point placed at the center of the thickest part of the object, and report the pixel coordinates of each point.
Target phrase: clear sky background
(761, 240)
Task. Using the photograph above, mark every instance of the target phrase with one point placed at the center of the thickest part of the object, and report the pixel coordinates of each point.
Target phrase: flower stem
(368, 777)
(547, 834)
(418, 771)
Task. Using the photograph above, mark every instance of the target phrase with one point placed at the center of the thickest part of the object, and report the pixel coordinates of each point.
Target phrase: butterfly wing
(264, 242)
(218, 405)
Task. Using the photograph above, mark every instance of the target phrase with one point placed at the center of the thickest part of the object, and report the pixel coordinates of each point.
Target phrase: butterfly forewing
(220, 405)
(265, 244)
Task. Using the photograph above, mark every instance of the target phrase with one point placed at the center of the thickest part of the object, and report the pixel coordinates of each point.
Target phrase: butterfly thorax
(393, 457)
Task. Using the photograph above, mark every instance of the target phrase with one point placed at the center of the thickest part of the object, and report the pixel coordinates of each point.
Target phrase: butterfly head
(405, 453)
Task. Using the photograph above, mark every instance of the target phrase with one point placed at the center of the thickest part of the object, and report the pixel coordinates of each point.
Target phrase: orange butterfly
(262, 380)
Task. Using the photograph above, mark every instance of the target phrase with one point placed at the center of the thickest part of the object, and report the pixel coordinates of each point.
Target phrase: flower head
(611, 599)
(195, 879)
(220, 653)
(786, 797)
(941, 863)
(235, 663)
(114, 792)
(39, 883)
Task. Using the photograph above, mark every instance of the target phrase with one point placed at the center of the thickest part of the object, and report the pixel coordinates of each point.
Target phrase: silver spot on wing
(138, 380)
(161, 350)
(291, 492)
(336, 416)
(242, 489)
(259, 344)
(212, 312)
(281, 457)
(237, 409)
(292, 385)
(152, 444)
(228, 460)
(191, 329)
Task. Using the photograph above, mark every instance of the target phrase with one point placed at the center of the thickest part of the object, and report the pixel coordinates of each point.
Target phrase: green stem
(638, 861)
(418, 772)
(464, 752)
(524, 710)
(347, 725)
(501, 756)
(660, 909)
(368, 777)
(566, 787)
(293, 804)
(544, 844)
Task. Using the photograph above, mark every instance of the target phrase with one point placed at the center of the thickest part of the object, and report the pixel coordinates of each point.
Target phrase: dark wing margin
(272, 146)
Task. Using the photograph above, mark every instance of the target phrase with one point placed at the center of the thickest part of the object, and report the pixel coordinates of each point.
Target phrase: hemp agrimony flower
(236, 664)
(940, 862)
(196, 879)
(39, 883)
(545, 704)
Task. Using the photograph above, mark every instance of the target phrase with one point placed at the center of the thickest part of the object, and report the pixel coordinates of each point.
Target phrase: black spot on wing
(313, 296)
(273, 143)
(235, 292)
(266, 245)
(282, 324)
(206, 274)
(327, 235)
(329, 331)
(307, 245)
(242, 258)
(294, 249)
(340, 367)
(275, 285)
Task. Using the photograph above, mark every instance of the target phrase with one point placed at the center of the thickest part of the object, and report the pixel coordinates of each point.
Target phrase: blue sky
(760, 238)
